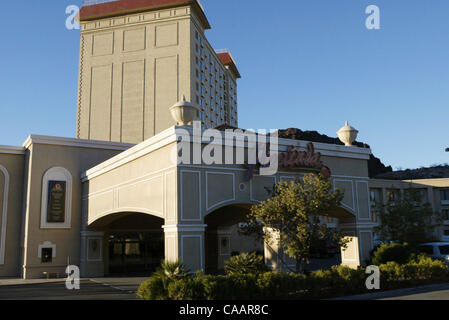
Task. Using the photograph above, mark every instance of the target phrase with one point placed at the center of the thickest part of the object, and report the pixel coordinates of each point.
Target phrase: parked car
(436, 250)
(328, 249)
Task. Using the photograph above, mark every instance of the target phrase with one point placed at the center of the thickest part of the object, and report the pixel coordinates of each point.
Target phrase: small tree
(293, 211)
(407, 219)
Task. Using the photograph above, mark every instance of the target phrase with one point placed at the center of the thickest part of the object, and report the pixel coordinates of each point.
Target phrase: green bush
(395, 252)
(153, 289)
(156, 288)
(421, 270)
(186, 289)
(245, 263)
(338, 281)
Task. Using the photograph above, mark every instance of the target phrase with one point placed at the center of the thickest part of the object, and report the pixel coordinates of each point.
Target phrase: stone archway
(223, 239)
(130, 244)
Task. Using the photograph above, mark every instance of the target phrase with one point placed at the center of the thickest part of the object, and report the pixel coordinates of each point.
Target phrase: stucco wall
(14, 165)
(75, 160)
(138, 66)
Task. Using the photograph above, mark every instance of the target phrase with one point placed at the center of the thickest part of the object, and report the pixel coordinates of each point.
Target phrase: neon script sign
(297, 159)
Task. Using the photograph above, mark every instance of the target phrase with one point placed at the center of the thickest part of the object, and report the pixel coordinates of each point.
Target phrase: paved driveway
(429, 292)
(90, 289)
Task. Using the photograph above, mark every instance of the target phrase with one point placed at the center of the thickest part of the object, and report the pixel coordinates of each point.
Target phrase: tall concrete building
(138, 58)
(115, 200)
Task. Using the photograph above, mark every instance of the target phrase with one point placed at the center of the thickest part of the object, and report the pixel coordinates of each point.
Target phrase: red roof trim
(227, 60)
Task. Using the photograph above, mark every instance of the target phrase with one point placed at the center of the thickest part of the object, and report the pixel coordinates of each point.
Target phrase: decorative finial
(183, 112)
(347, 134)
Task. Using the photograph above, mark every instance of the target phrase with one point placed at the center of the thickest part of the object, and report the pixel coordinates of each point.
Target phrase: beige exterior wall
(191, 203)
(74, 156)
(12, 166)
(133, 68)
(145, 179)
(429, 188)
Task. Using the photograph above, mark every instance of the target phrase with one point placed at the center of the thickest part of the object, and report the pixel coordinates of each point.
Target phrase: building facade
(433, 191)
(138, 60)
(115, 199)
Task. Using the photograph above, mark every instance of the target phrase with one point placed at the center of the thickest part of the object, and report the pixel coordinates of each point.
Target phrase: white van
(436, 250)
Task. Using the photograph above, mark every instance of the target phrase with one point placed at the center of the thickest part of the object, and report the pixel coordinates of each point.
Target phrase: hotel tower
(138, 58)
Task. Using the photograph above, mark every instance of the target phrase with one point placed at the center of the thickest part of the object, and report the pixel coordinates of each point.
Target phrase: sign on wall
(56, 202)
(296, 159)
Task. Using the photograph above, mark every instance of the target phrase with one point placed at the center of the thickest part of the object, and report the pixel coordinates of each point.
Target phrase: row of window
(222, 94)
(394, 195)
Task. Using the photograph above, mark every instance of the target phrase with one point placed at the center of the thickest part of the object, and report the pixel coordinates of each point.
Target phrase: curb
(397, 292)
(6, 283)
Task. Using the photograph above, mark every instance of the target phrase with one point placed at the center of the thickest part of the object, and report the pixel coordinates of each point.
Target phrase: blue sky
(309, 64)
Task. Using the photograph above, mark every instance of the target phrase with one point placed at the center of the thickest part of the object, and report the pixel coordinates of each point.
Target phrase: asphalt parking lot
(90, 289)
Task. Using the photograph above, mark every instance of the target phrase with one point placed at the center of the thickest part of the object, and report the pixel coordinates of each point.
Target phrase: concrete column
(93, 249)
(186, 244)
(224, 246)
(351, 255)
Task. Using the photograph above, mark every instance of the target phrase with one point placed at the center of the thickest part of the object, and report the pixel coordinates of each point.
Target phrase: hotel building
(138, 58)
(114, 200)
(434, 191)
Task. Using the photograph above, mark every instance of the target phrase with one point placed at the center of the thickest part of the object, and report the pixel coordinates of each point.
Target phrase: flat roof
(123, 7)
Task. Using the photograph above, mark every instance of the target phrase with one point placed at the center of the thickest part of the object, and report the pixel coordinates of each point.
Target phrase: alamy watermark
(70, 22)
(73, 278)
(373, 280)
(229, 147)
(373, 20)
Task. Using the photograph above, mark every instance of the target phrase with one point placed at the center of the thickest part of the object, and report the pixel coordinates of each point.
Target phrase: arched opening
(223, 239)
(133, 243)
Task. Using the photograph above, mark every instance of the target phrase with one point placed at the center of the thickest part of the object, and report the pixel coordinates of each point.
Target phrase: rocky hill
(435, 172)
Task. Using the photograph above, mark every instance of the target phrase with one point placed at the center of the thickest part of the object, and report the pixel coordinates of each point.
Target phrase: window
(46, 252)
(47, 255)
(56, 199)
(426, 249)
(445, 213)
(444, 194)
(446, 233)
(444, 249)
(393, 195)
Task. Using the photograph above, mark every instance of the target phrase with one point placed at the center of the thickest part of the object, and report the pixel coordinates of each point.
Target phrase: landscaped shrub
(274, 285)
(421, 270)
(245, 263)
(396, 252)
(338, 281)
(157, 287)
(153, 289)
(187, 289)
